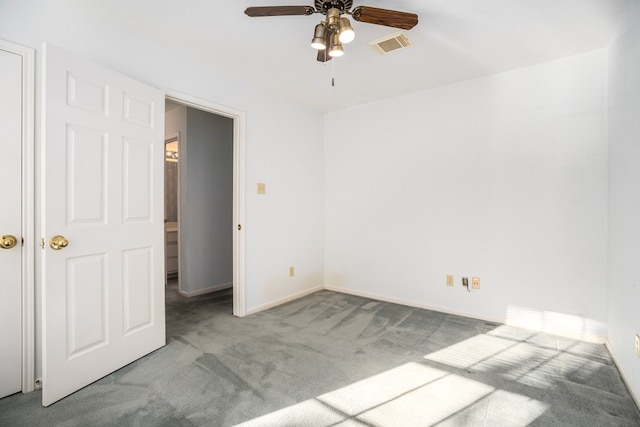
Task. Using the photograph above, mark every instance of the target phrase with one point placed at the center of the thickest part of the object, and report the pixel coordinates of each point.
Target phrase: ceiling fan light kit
(318, 41)
(346, 31)
(336, 30)
(335, 47)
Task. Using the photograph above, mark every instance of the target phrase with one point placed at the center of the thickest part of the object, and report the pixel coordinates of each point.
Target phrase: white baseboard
(624, 376)
(283, 300)
(205, 290)
(409, 303)
(380, 297)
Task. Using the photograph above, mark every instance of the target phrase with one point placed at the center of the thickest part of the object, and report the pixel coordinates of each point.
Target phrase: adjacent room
(434, 223)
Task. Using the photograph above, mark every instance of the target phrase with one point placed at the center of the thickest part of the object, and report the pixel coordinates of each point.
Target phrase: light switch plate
(450, 279)
(262, 188)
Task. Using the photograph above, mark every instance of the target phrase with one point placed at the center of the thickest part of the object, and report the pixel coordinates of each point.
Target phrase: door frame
(238, 118)
(27, 211)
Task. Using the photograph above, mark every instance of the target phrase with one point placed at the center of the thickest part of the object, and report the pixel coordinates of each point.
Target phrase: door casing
(238, 117)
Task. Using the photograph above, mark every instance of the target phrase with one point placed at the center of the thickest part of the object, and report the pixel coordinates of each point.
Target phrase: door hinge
(239, 227)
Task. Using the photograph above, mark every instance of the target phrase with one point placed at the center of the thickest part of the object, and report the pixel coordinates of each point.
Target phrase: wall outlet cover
(475, 282)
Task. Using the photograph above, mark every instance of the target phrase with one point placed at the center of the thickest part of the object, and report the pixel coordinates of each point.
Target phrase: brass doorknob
(8, 241)
(58, 242)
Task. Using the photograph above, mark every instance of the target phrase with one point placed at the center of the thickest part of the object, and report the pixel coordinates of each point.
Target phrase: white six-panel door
(103, 294)
(10, 223)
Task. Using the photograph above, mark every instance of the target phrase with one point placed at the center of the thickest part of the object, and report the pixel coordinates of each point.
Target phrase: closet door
(11, 223)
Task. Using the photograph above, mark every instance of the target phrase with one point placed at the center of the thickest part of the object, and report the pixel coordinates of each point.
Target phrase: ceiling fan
(335, 30)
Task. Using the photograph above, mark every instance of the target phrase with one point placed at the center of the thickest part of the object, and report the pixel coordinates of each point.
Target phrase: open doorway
(171, 144)
(204, 175)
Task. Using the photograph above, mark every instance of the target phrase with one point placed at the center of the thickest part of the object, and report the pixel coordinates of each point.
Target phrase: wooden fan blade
(389, 18)
(323, 56)
(278, 11)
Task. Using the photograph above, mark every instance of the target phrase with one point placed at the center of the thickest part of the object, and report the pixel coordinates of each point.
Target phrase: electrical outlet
(638, 345)
(475, 282)
(450, 279)
(291, 271)
(465, 282)
(262, 188)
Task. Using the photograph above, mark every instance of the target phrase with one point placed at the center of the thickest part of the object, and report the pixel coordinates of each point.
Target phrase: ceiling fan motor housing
(322, 6)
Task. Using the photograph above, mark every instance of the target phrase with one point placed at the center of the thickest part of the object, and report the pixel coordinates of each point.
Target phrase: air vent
(390, 43)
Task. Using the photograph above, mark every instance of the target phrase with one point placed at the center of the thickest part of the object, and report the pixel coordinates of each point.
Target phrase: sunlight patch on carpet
(411, 394)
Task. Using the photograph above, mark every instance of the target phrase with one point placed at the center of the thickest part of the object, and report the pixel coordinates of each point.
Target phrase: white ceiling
(455, 40)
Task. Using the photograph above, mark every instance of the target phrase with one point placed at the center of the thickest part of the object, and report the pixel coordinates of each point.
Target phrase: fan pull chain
(333, 73)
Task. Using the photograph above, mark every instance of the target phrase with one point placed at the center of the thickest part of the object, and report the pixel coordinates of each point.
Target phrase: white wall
(502, 177)
(283, 141)
(624, 196)
(206, 203)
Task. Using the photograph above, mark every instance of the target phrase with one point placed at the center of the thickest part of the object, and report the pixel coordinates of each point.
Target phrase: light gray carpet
(331, 359)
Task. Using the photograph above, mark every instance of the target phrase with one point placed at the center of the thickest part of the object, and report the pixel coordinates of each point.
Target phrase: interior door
(11, 223)
(103, 216)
